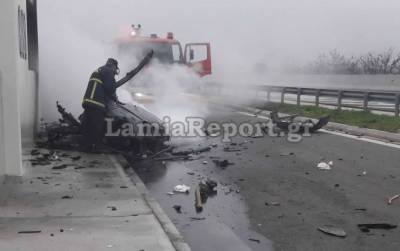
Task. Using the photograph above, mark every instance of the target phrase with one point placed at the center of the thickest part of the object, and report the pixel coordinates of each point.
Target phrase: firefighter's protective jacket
(101, 88)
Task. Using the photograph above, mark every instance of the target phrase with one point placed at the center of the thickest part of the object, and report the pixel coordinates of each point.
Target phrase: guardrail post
(365, 103)
(339, 101)
(317, 93)
(283, 95)
(298, 96)
(397, 105)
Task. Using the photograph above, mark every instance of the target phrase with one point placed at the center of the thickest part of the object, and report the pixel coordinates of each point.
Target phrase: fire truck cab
(168, 50)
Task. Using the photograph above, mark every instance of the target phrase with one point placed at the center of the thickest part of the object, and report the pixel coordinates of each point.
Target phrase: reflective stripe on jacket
(100, 89)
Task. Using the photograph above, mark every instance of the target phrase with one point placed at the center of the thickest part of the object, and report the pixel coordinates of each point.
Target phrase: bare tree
(371, 63)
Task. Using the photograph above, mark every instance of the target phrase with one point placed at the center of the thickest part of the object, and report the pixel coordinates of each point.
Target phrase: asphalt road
(274, 192)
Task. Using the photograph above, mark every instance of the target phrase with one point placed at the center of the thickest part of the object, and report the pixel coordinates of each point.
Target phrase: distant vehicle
(167, 50)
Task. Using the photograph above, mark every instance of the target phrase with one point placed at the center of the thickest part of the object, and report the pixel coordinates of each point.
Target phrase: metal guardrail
(363, 96)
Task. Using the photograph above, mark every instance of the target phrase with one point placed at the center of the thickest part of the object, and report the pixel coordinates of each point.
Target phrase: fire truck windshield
(167, 53)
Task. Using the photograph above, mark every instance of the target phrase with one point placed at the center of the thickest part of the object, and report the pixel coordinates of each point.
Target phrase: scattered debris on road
(178, 208)
(366, 227)
(198, 200)
(30, 232)
(202, 192)
(63, 166)
(197, 218)
(113, 208)
(325, 165)
(231, 149)
(192, 151)
(67, 197)
(304, 125)
(391, 199)
(361, 209)
(286, 154)
(76, 158)
(222, 163)
(273, 203)
(334, 231)
(181, 189)
(254, 240)
(35, 152)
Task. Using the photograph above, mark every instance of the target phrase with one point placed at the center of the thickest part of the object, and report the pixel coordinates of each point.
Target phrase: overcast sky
(299, 28)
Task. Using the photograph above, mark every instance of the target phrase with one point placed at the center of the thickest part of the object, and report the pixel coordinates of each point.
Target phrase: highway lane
(271, 169)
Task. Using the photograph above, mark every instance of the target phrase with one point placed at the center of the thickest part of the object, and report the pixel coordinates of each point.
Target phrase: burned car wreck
(302, 125)
(128, 128)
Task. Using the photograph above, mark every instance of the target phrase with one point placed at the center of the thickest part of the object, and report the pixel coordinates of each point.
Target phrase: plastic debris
(30, 232)
(327, 229)
(197, 218)
(366, 227)
(324, 165)
(198, 200)
(35, 152)
(222, 163)
(53, 156)
(178, 208)
(181, 189)
(391, 199)
(113, 208)
(273, 203)
(254, 240)
(361, 209)
(76, 158)
(203, 191)
(63, 166)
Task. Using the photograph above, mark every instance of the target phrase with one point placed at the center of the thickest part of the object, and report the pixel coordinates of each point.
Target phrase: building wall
(18, 87)
(2, 145)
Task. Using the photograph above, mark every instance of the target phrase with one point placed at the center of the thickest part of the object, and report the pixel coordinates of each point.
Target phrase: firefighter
(101, 89)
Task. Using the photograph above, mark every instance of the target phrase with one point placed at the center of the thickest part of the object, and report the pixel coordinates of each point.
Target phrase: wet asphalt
(274, 198)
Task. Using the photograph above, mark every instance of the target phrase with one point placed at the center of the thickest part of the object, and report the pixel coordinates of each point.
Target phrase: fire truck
(168, 51)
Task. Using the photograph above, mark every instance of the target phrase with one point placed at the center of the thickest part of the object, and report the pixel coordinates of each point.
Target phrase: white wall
(28, 89)
(2, 146)
(17, 91)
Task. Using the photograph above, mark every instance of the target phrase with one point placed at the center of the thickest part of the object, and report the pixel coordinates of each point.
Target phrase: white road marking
(252, 115)
(375, 141)
(378, 142)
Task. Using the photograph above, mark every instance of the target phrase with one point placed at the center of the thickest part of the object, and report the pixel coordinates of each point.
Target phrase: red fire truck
(168, 50)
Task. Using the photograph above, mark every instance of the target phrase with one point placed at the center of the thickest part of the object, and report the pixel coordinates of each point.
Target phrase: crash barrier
(390, 99)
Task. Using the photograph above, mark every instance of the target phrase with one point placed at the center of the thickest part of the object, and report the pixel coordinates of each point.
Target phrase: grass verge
(355, 118)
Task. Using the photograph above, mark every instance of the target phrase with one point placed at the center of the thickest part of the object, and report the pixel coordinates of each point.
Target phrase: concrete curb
(172, 232)
(348, 129)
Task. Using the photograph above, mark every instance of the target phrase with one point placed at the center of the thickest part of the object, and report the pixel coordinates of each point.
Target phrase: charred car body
(128, 128)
